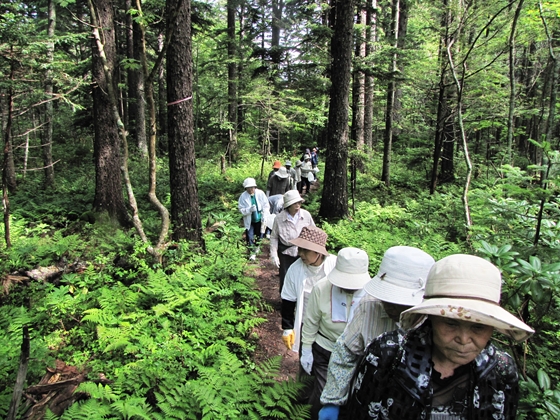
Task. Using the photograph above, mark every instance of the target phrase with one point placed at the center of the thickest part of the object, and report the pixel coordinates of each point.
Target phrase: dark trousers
(285, 262)
(321, 359)
(254, 230)
(305, 182)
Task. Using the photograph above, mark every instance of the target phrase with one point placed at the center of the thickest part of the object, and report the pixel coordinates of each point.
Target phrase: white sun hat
(402, 276)
(467, 288)
(249, 182)
(351, 269)
(282, 173)
(292, 197)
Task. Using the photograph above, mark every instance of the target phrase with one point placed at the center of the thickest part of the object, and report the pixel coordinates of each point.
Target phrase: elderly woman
(444, 366)
(331, 306)
(254, 207)
(314, 264)
(287, 226)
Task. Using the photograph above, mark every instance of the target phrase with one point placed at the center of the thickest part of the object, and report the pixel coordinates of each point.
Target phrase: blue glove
(329, 412)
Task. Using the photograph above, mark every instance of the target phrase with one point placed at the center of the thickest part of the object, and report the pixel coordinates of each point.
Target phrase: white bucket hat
(292, 197)
(402, 276)
(249, 182)
(351, 270)
(282, 173)
(467, 288)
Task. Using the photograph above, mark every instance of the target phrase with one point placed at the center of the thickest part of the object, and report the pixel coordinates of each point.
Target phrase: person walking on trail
(292, 173)
(313, 264)
(253, 206)
(287, 226)
(298, 175)
(276, 206)
(398, 285)
(315, 157)
(306, 173)
(444, 365)
(307, 152)
(330, 308)
(279, 182)
(276, 165)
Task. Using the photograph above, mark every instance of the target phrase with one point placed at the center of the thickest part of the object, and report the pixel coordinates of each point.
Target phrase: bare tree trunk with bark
(334, 202)
(391, 94)
(47, 138)
(185, 210)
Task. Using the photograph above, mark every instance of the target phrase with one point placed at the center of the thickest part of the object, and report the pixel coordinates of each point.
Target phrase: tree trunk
(334, 203)
(232, 79)
(106, 149)
(371, 34)
(47, 138)
(162, 97)
(511, 45)
(358, 85)
(150, 100)
(275, 49)
(391, 95)
(140, 95)
(185, 211)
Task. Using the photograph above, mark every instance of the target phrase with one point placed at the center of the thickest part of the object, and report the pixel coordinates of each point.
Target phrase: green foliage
(540, 399)
(227, 390)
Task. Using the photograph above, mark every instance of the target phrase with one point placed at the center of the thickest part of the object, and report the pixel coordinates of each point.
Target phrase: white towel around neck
(339, 310)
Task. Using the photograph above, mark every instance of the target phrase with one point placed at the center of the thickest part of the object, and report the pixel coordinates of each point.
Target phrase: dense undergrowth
(174, 337)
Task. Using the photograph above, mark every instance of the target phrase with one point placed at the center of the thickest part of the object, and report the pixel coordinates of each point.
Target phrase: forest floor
(270, 342)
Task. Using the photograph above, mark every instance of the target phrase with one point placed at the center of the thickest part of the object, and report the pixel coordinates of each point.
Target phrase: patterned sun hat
(312, 238)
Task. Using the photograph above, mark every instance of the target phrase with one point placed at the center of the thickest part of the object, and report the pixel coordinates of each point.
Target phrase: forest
(129, 126)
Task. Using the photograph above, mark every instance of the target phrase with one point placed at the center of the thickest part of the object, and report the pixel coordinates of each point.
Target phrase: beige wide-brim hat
(402, 275)
(292, 197)
(467, 288)
(312, 238)
(351, 269)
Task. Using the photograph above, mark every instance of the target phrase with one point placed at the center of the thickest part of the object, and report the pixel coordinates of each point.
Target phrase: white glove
(306, 360)
(253, 208)
(275, 260)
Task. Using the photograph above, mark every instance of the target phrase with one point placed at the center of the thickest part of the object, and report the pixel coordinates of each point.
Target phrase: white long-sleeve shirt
(298, 283)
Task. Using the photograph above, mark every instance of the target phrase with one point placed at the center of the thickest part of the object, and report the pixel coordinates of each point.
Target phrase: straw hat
(282, 173)
(402, 276)
(312, 238)
(292, 197)
(351, 270)
(249, 182)
(277, 164)
(468, 288)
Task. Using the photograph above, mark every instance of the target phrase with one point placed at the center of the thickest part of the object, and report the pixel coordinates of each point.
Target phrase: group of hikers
(413, 342)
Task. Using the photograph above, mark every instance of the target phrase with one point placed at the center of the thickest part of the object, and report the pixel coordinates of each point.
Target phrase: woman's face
(309, 257)
(250, 190)
(458, 342)
(294, 208)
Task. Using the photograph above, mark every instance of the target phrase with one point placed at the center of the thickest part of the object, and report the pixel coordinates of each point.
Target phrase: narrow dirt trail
(270, 333)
